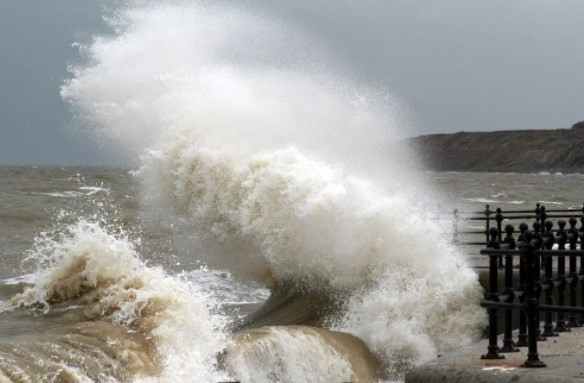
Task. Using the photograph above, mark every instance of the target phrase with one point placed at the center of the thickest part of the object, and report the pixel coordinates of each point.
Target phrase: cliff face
(504, 151)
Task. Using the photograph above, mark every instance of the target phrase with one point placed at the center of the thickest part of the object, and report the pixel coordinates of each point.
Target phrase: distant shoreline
(510, 151)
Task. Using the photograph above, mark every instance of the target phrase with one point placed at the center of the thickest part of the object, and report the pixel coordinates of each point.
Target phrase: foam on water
(85, 268)
(293, 354)
(322, 229)
(244, 128)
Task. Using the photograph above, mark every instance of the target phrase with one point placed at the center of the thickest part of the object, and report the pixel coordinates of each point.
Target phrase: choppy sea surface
(37, 199)
(93, 287)
(472, 192)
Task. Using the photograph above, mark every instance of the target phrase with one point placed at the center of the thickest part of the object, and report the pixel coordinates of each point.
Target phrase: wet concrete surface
(563, 356)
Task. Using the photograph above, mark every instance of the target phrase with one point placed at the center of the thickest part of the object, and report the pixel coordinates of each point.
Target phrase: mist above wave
(237, 81)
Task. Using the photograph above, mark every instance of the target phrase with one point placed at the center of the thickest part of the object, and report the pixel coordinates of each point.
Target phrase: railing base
(509, 348)
(549, 333)
(561, 327)
(522, 341)
(573, 324)
(493, 354)
(535, 363)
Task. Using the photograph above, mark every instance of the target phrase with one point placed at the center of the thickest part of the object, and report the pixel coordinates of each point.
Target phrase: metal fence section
(495, 218)
(544, 248)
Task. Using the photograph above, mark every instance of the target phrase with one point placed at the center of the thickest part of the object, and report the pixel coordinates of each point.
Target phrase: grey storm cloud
(458, 65)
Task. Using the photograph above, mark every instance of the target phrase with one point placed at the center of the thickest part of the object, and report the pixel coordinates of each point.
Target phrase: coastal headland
(523, 151)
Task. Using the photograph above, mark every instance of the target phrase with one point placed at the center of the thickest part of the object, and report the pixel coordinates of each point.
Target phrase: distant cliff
(559, 150)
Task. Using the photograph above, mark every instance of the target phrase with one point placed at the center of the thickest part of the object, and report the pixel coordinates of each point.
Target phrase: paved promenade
(564, 356)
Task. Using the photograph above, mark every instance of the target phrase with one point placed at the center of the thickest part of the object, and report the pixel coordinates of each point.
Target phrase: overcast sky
(457, 64)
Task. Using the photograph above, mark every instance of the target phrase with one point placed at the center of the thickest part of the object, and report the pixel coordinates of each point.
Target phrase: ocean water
(471, 192)
(270, 227)
(94, 288)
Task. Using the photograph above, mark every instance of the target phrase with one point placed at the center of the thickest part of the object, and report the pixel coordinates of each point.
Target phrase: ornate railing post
(581, 271)
(455, 226)
(561, 283)
(509, 243)
(548, 283)
(537, 211)
(493, 296)
(542, 216)
(531, 301)
(542, 221)
(487, 213)
(573, 276)
(538, 242)
(522, 336)
(499, 220)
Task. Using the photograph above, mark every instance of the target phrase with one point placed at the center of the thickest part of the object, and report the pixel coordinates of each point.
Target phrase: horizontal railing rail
(496, 218)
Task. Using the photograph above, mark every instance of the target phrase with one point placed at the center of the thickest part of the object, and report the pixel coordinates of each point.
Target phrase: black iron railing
(547, 248)
(537, 218)
(495, 218)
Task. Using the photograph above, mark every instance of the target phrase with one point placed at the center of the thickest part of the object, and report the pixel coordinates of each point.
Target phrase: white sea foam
(91, 190)
(87, 267)
(314, 224)
(85, 191)
(288, 355)
(551, 203)
(237, 80)
(482, 200)
(237, 133)
(27, 279)
(65, 194)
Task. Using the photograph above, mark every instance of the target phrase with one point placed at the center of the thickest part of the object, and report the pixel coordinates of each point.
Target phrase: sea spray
(237, 134)
(234, 80)
(140, 323)
(325, 230)
(294, 354)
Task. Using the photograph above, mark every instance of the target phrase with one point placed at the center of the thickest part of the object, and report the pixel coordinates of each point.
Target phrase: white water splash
(87, 267)
(239, 132)
(281, 355)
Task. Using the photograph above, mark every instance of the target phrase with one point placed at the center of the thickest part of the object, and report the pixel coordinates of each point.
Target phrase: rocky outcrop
(559, 150)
